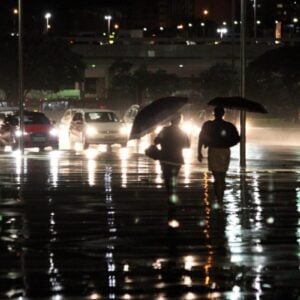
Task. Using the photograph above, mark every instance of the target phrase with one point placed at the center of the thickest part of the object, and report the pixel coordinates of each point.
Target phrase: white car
(94, 126)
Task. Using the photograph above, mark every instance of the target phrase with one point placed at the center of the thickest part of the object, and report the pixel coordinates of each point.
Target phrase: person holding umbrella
(218, 135)
(172, 141)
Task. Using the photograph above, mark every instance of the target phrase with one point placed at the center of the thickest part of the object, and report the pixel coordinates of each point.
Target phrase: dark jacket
(218, 134)
(172, 140)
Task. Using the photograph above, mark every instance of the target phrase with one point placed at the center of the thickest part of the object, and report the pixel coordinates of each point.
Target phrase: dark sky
(63, 11)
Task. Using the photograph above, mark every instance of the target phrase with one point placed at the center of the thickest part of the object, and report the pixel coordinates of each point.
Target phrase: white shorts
(218, 159)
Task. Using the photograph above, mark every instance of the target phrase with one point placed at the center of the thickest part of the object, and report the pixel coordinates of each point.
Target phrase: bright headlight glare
(91, 131)
(188, 127)
(18, 133)
(124, 130)
(54, 132)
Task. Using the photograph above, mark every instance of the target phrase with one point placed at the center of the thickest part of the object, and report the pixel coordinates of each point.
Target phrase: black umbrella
(238, 103)
(157, 112)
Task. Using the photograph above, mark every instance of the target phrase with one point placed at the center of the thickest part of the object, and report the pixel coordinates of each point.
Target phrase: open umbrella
(238, 103)
(157, 112)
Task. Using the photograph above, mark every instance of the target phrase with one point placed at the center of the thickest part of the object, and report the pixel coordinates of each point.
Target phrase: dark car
(38, 131)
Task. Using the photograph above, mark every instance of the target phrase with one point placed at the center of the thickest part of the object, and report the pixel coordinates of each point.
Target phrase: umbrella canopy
(238, 103)
(157, 112)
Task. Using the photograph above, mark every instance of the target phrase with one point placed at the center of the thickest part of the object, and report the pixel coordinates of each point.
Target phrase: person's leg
(219, 185)
(170, 173)
(166, 173)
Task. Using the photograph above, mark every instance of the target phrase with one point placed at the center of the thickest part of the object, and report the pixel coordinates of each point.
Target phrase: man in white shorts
(218, 135)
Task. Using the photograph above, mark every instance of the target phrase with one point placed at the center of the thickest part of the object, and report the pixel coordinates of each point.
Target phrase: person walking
(172, 141)
(218, 135)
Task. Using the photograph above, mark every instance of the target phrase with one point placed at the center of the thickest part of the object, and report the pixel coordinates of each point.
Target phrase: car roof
(15, 111)
(91, 110)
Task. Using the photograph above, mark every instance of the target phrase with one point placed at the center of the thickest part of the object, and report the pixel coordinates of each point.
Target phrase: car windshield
(99, 117)
(30, 119)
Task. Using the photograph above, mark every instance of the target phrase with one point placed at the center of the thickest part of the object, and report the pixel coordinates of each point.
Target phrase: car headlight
(91, 131)
(53, 132)
(190, 128)
(124, 130)
(187, 127)
(18, 133)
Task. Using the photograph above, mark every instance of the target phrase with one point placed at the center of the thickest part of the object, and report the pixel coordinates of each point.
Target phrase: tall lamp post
(108, 19)
(242, 84)
(47, 17)
(20, 48)
(254, 20)
(15, 18)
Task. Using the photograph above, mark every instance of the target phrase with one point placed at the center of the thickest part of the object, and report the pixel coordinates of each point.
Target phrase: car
(94, 126)
(38, 131)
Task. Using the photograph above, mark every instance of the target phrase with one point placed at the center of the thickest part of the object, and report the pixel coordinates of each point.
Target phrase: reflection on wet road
(94, 226)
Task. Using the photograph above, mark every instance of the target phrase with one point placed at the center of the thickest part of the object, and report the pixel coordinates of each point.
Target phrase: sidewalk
(111, 240)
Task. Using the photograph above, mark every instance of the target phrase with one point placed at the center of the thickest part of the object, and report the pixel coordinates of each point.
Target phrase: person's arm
(200, 141)
(200, 155)
(158, 139)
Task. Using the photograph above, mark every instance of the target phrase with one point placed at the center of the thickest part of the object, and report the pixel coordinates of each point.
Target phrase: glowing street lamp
(222, 31)
(108, 19)
(47, 17)
(15, 17)
(202, 24)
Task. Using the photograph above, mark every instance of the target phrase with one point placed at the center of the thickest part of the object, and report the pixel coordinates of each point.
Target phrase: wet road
(74, 227)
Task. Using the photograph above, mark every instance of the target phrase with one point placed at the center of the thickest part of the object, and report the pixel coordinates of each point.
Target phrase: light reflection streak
(18, 162)
(207, 231)
(53, 271)
(298, 210)
(95, 296)
(187, 155)
(257, 282)
(257, 201)
(189, 262)
(233, 228)
(110, 261)
(54, 156)
(91, 171)
(158, 172)
(124, 158)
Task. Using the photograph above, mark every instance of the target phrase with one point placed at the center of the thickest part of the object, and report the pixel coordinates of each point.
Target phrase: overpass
(183, 58)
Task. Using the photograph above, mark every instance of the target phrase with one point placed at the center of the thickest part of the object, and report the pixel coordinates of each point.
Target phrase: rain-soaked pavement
(74, 227)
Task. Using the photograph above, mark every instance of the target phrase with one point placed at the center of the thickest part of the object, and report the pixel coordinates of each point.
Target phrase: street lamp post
(15, 17)
(20, 52)
(254, 20)
(47, 17)
(242, 83)
(202, 24)
(108, 19)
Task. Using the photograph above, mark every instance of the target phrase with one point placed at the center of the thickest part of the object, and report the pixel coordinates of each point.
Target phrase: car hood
(109, 126)
(37, 127)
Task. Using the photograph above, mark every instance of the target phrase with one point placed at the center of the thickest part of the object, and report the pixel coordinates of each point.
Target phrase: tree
(219, 80)
(129, 85)
(274, 79)
(48, 64)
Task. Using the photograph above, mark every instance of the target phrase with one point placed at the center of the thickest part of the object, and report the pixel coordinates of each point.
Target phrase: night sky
(63, 11)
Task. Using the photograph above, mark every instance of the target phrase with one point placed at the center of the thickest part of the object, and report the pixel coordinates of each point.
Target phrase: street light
(47, 17)
(15, 17)
(254, 20)
(21, 83)
(202, 24)
(108, 19)
(242, 83)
